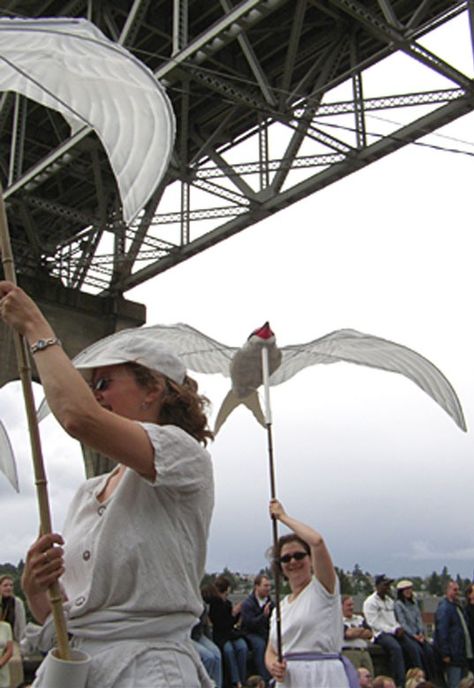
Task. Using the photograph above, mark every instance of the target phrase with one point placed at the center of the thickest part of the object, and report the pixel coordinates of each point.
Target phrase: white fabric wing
(70, 66)
(365, 349)
(199, 353)
(7, 459)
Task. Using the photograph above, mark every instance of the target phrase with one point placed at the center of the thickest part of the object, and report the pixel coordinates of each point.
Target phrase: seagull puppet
(244, 365)
(203, 354)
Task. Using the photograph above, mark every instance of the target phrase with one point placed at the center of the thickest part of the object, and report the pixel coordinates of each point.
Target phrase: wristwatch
(42, 344)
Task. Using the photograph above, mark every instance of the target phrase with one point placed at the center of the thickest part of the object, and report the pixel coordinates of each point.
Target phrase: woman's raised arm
(320, 558)
(69, 397)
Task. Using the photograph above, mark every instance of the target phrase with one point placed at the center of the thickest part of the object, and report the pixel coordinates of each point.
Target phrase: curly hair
(274, 553)
(181, 404)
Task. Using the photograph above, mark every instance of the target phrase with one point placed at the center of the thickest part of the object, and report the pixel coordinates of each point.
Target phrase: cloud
(424, 551)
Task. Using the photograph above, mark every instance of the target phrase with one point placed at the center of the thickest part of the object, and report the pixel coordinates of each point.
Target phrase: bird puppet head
(265, 334)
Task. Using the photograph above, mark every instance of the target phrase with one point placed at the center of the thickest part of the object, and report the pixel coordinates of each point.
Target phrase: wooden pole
(24, 371)
(268, 423)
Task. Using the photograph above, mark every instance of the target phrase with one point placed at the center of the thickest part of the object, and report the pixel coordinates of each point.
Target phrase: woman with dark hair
(408, 615)
(311, 619)
(135, 539)
(224, 617)
(12, 611)
(469, 614)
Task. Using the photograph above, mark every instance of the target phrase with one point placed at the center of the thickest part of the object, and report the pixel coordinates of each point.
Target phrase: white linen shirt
(139, 556)
(312, 622)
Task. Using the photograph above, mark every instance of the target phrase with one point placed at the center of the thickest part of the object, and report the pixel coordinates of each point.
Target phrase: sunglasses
(297, 556)
(101, 384)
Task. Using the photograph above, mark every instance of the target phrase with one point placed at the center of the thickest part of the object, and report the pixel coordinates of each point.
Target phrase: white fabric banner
(70, 66)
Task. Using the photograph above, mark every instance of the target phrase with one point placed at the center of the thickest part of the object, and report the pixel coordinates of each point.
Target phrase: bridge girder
(260, 124)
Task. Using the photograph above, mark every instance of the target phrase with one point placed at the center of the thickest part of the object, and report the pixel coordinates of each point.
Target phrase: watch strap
(42, 344)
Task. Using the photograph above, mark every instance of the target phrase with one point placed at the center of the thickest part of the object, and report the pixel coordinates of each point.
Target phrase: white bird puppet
(203, 354)
(246, 374)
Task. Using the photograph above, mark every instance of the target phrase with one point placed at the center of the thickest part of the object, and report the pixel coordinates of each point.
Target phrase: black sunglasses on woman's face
(101, 384)
(297, 556)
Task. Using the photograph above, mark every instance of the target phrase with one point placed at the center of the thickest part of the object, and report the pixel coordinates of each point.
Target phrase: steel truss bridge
(271, 106)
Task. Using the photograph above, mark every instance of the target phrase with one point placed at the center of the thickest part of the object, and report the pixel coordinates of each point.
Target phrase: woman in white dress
(133, 548)
(311, 618)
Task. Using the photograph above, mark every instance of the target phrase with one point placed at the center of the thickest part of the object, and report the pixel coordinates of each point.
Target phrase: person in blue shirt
(255, 621)
(451, 637)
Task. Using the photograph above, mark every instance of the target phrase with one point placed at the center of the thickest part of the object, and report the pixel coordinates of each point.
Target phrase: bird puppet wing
(70, 66)
(352, 346)
(7, 459)
(203, 354)
(198, 352)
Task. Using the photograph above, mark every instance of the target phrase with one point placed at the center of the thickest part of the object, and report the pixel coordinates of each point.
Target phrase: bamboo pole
(271, 465)
(24, 371)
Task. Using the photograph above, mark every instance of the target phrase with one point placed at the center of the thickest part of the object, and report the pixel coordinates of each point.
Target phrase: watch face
(44, 343)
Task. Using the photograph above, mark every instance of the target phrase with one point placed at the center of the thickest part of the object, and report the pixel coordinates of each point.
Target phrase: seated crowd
(231, 638)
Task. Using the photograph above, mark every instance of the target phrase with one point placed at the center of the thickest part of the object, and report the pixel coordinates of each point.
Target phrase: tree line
(361, 582)
(352, 582)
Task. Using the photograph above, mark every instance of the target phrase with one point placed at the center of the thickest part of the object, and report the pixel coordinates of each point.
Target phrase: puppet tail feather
(252, 402)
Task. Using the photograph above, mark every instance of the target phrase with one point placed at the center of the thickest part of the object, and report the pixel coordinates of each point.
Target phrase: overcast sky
(364, 456)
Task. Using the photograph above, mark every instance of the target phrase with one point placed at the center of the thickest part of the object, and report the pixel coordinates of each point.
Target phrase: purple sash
(351, 673)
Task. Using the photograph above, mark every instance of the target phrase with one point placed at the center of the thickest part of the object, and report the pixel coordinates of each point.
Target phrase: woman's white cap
(401, 585)
(140, 345)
